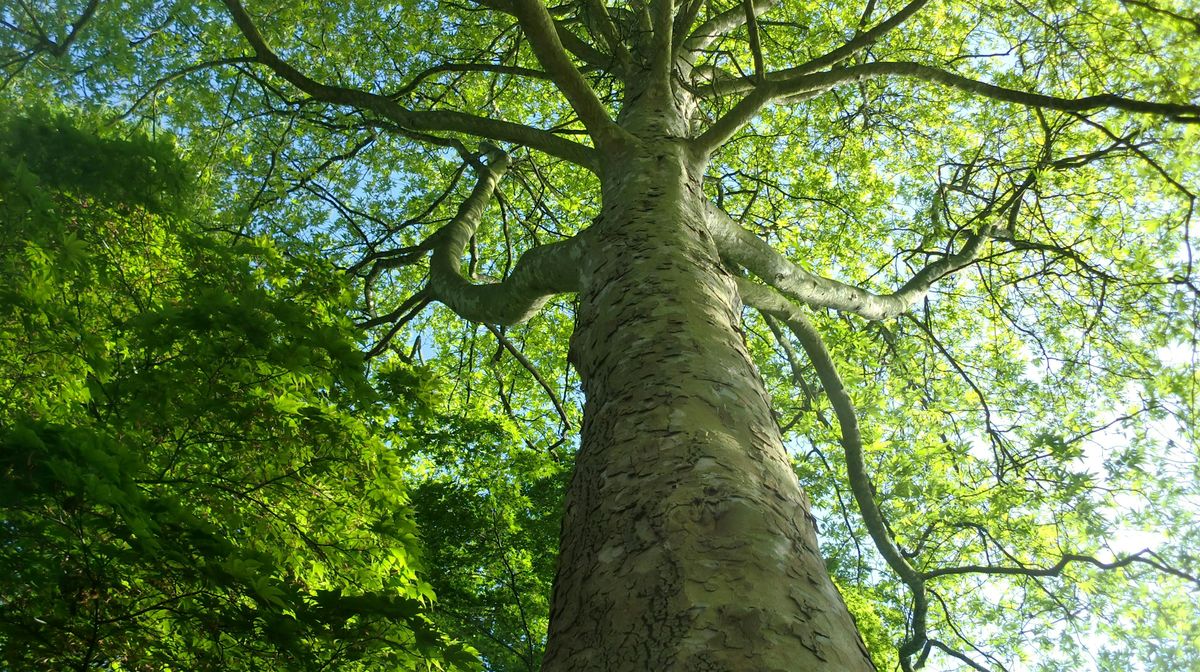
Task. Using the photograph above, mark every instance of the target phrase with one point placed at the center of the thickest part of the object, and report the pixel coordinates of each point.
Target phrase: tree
(973, 222)
(147, 365)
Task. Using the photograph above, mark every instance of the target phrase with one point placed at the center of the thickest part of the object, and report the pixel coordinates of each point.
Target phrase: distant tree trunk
(687, 542)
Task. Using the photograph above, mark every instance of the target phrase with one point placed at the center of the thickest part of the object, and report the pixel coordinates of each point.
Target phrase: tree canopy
(962, 233)
(196, 476)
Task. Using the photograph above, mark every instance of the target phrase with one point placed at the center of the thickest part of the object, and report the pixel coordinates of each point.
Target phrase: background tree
(193, 477)
(963, 234)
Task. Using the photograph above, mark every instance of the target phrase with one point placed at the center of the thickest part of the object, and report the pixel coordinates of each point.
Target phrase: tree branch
(497, 68)
(861, 40)
(570, 41)
(758, 257)
(397, 319)
(1193, 21)
(773, 303)
(790, 84)
(799, 83)
(540, 273)
(755, 43)
(722, 24)
(533, 371)
(663, 23)
(544, 40)
(441, 120)
(767, 87)
(597, 15)
(1057, 568)
(59, 49)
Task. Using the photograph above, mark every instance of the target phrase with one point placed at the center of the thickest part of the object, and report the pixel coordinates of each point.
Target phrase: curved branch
(397, 319)
(570, 41)
(540, 273)
(496, 68)
(862, 40)
(957, 654)
(157, 84)
(441, 120)
(767, 86)
(800, 83)
(721, 24)
(773, 303)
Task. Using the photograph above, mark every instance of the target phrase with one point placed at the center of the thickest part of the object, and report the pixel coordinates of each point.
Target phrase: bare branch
(533, 371)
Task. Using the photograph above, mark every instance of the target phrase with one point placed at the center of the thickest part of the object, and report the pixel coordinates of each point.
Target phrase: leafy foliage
(192, 476)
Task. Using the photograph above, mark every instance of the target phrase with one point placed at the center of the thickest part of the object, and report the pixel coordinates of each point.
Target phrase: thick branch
(722, 24)
(742, 113)
(663, 18)
(570, 41)
(442, 120)
(543, 38)
(758, 257)
(540, 273)
(598, 17)
(755, 43)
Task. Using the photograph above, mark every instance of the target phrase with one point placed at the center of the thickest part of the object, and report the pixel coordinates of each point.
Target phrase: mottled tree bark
(687, 542)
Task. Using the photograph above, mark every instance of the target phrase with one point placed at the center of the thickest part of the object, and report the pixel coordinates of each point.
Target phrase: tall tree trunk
(687, 542)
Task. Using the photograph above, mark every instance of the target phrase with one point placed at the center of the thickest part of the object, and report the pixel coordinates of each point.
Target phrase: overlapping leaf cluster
(192, 474)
